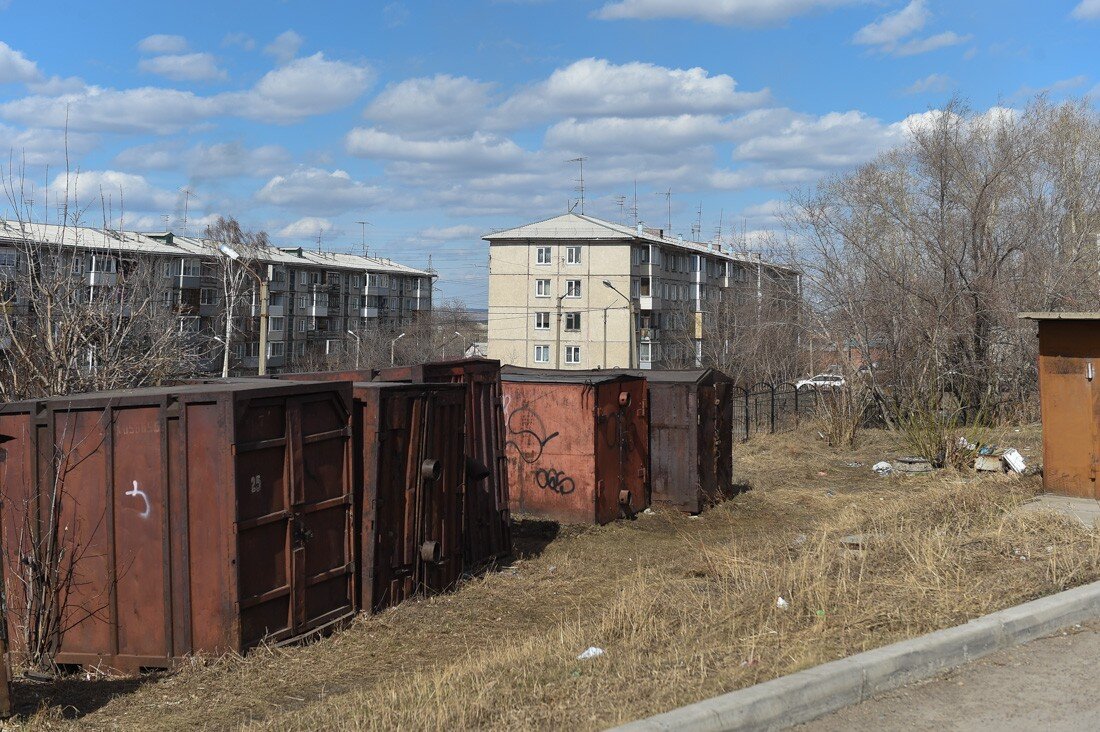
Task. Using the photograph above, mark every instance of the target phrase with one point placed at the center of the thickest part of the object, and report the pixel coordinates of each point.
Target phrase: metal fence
(770, 408)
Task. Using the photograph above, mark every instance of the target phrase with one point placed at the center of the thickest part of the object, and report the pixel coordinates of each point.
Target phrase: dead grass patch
(685, 608)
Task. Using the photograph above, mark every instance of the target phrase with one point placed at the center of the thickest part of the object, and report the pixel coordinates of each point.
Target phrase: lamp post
(353, 335)
(630, 305)
(393, 345)
(261, 368)
(463, 339)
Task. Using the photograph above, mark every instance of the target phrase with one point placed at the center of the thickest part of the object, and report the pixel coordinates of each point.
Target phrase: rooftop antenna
(320, 229)
(364, 225)
(668, 200)
(166, 217)
(186, 203)
(718, 234)
(621, 200)
(697, 227)
(634, 208)
(580, 181)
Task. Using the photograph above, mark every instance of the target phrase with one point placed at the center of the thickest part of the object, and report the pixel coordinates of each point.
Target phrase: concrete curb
(806, 695)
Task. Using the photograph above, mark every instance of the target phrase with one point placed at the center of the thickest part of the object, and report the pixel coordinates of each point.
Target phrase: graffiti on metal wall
(555, 480)
(527, 434)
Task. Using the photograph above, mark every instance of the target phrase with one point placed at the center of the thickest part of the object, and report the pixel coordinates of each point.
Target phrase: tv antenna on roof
(698, 225)
(580, 180)
(668, 200)
(621, 200)
(364, 225)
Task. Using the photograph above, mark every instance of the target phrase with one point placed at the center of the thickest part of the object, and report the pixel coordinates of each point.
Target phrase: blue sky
(440, 121)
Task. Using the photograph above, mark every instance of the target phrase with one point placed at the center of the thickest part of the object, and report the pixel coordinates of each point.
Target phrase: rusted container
(410, 463)
(487, 532)
(577, 445)
(690, 437)
(203, 518)
(1069, 389)
(346, 375)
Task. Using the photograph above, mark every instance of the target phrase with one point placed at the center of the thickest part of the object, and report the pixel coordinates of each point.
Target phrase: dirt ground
(683, 607)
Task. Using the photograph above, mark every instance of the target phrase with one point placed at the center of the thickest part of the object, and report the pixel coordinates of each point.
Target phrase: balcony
(368, 312)
(649, 334)
(101, 279)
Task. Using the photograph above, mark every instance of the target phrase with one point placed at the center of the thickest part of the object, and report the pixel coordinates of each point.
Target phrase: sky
(438, 122)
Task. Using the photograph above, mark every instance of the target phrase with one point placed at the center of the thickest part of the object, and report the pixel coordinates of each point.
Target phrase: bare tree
(919, 261)
(238, 289)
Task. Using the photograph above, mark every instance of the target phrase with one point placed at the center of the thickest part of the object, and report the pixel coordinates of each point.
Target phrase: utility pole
(557, 336)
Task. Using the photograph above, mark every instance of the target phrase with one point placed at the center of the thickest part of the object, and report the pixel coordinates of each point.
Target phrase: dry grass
(685, 608)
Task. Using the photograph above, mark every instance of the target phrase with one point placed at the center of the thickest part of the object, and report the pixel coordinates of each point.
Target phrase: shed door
(293, 515)
(1071, 408)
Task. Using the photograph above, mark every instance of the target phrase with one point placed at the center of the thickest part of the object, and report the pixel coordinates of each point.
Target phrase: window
(643, 286)
(542, 255)
(303, 278)
(192, 268)
(353, 282)
(572, 321)
(573, 255)
(303, 302)
(276, 299)
(572, 288)
(7, 259)
(103, 264)
(300, 325)
(208, 296)
(279, 275)
(276, 323)
(276, 350)
(542, 354)
(542, 321)
(572, 354)
(78, 266)
(645, 353)
(542, 288)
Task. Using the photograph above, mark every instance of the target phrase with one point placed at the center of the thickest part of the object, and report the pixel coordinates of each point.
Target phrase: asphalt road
(1048, 684)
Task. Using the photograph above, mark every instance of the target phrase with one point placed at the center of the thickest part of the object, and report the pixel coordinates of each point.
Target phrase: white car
(821, 381)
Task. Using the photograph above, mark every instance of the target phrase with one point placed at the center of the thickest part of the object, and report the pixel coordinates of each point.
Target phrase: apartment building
(315, 297)
(575, 291)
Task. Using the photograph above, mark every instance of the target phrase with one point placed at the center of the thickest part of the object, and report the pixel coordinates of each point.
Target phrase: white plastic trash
(781, 603)
(590, 652)
(1014, 460)
(883, 468)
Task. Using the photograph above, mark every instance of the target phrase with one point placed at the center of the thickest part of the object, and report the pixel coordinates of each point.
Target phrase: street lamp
(353, 335)
(463, 338)
(393, 345)
(261, 368)
(630, 305)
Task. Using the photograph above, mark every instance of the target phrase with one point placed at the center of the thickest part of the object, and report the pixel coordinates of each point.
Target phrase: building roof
(169, 244)
(1059, 316)
(574, 226)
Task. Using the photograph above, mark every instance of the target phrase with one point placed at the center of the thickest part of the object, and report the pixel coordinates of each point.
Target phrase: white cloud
(723, 12)
(55, 86)
(318, 191)
(887, 33)
(649, 134)
(595, 87)
(124, 191)
(305, 228)
(932, 43)
(15, 67)
(458, 232)
(183, 67)
(894, 26)
(1087, 10)
(43, 146)
(478, 149)
(835, 140)
(145, 110)
(929, 84)
(203, 161)
(285, 46)
(240, 40)
(303, 87)
(162, 43)
(440, 104)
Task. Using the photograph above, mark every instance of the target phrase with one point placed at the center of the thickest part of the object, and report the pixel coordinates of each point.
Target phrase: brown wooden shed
(1069, 357)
